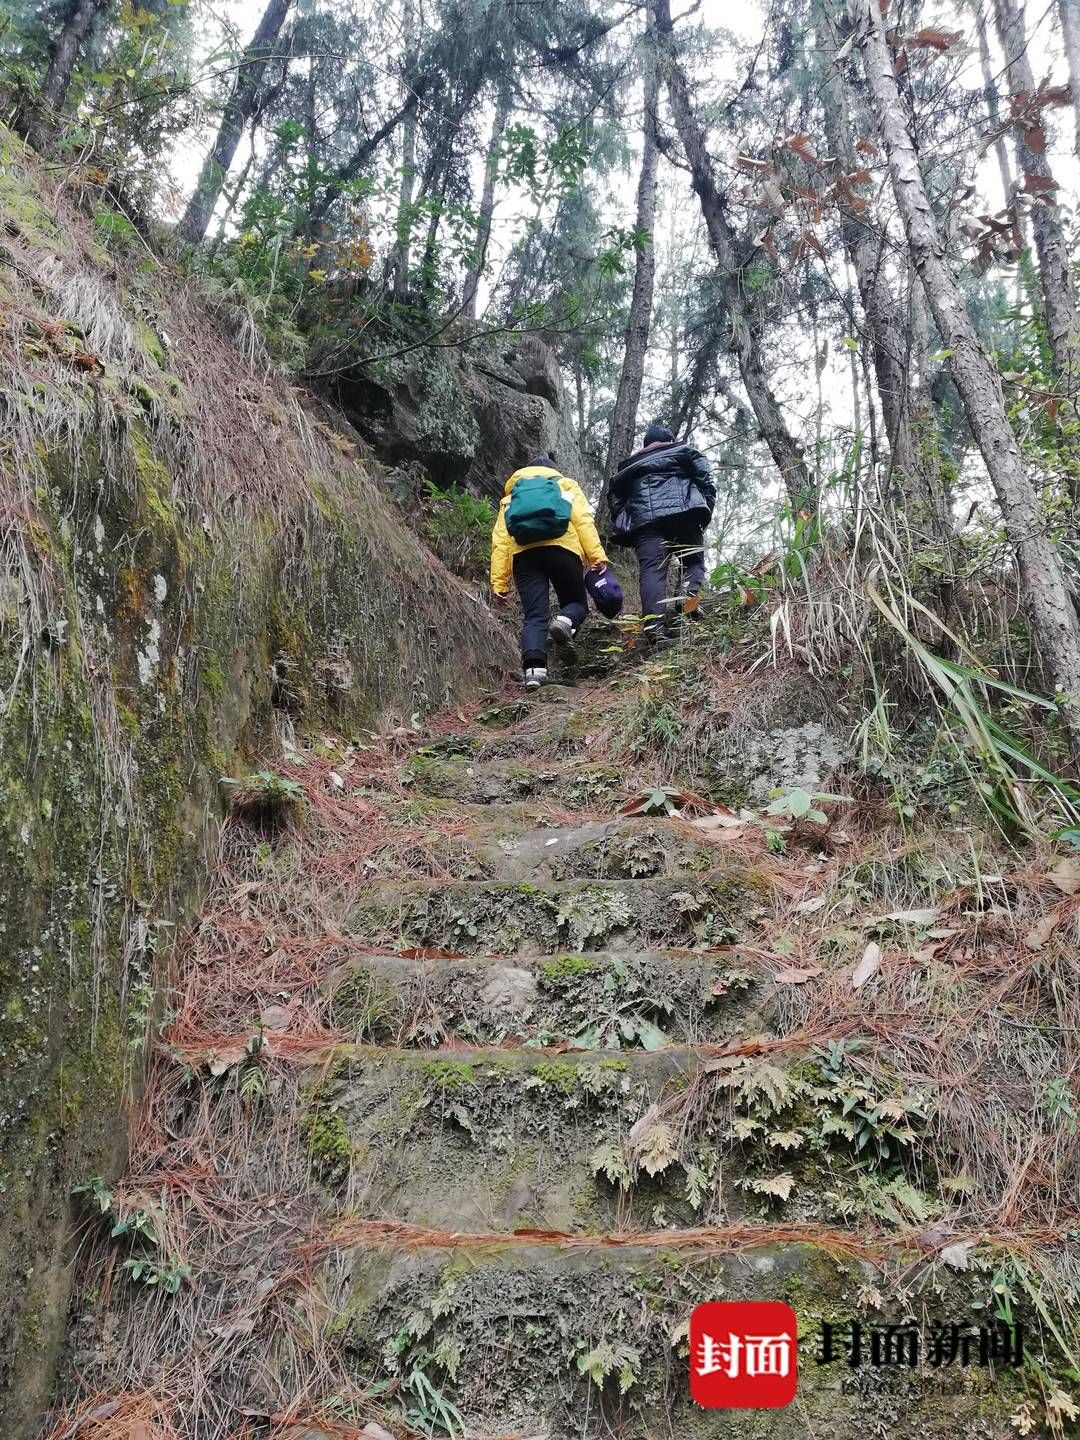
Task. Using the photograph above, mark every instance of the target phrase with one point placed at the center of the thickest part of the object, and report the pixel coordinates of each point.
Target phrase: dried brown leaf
(797, 974)
(939, 40)
(1065, 876)
(1040, 932)
(956, 1254)
(867, 966)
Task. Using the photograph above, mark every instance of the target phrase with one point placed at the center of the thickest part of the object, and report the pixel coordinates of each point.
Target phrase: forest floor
(474, 1082)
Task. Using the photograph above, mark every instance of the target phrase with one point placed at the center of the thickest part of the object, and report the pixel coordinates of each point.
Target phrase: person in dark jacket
(661, 502)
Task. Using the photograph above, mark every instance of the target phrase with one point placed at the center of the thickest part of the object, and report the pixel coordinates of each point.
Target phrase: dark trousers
(534, 571)
(681, 535)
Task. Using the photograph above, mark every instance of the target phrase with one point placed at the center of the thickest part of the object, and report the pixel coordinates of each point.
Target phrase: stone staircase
(474, 1166)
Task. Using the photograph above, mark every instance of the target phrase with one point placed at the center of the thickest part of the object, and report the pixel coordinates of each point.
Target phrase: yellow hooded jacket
(580, 538)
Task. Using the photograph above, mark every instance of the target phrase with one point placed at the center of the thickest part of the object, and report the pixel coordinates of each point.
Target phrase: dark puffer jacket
(664, 479)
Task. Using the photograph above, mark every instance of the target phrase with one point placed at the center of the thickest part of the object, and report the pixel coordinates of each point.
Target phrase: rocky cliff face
(466, 417)
(192, 560)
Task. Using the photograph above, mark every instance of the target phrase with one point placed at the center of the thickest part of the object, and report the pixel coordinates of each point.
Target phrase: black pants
(534, 571)
(681, 535)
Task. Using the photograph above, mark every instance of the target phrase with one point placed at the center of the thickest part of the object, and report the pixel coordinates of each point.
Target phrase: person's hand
(599, 567)
(502, 602)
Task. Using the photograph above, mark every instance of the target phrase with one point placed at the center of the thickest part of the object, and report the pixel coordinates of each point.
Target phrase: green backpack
(538, 510)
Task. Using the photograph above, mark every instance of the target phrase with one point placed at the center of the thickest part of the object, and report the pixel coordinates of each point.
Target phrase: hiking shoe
(561, 630)
(535, 676)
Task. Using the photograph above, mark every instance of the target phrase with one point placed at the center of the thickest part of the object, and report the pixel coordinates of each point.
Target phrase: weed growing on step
(567, 968)
(593, 786)
(328, 1143)
(265, 799)
(655, 800)
(592, 914)
(459, 526)
(611, 1358)
(139, 1228)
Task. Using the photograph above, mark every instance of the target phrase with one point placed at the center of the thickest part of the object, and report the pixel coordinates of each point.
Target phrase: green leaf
(586, 1039)
(799, 803)
(650, 1035)
(941, 354)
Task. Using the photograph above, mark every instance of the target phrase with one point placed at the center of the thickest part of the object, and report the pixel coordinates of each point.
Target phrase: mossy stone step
(489, 1139)
(510, 1336)
(573, 786)
(632, 1000)
(501, 820)
(555, 731)
(617, 849)
(520, 842)
(493, 918)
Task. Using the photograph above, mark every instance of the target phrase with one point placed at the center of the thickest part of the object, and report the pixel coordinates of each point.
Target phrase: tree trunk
(77, 26)
(238, 111)
(1070, 33)
(503, 106)
(397, 265)
(579, 394)
(400, 256)
(1054, 622)
(438, 203)
(745, 341)
(628, 396)
(993, 110)
(1055, 273)
(231, 198)
(866, 247)
(688, 395)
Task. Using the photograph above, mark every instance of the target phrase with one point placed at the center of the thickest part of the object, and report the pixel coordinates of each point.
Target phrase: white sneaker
(561, 630)
(535, 676)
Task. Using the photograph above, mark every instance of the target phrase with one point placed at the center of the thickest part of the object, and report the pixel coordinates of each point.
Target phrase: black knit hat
(657, 433)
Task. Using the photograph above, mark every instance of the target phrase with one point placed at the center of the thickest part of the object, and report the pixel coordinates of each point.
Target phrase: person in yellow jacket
(560, 562)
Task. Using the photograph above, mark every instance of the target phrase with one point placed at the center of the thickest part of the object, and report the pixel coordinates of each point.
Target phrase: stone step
(503, 918)
(590, 786)
(631, 1000)
(502, 819)
(618, 849)
(518, 729)
(525, 841)
(493, 1139)
(548, 1343)
(516, 842)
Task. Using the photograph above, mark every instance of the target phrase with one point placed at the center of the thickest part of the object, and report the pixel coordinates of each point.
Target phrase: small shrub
(459, 526)
(264, 798)
(115, 230)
